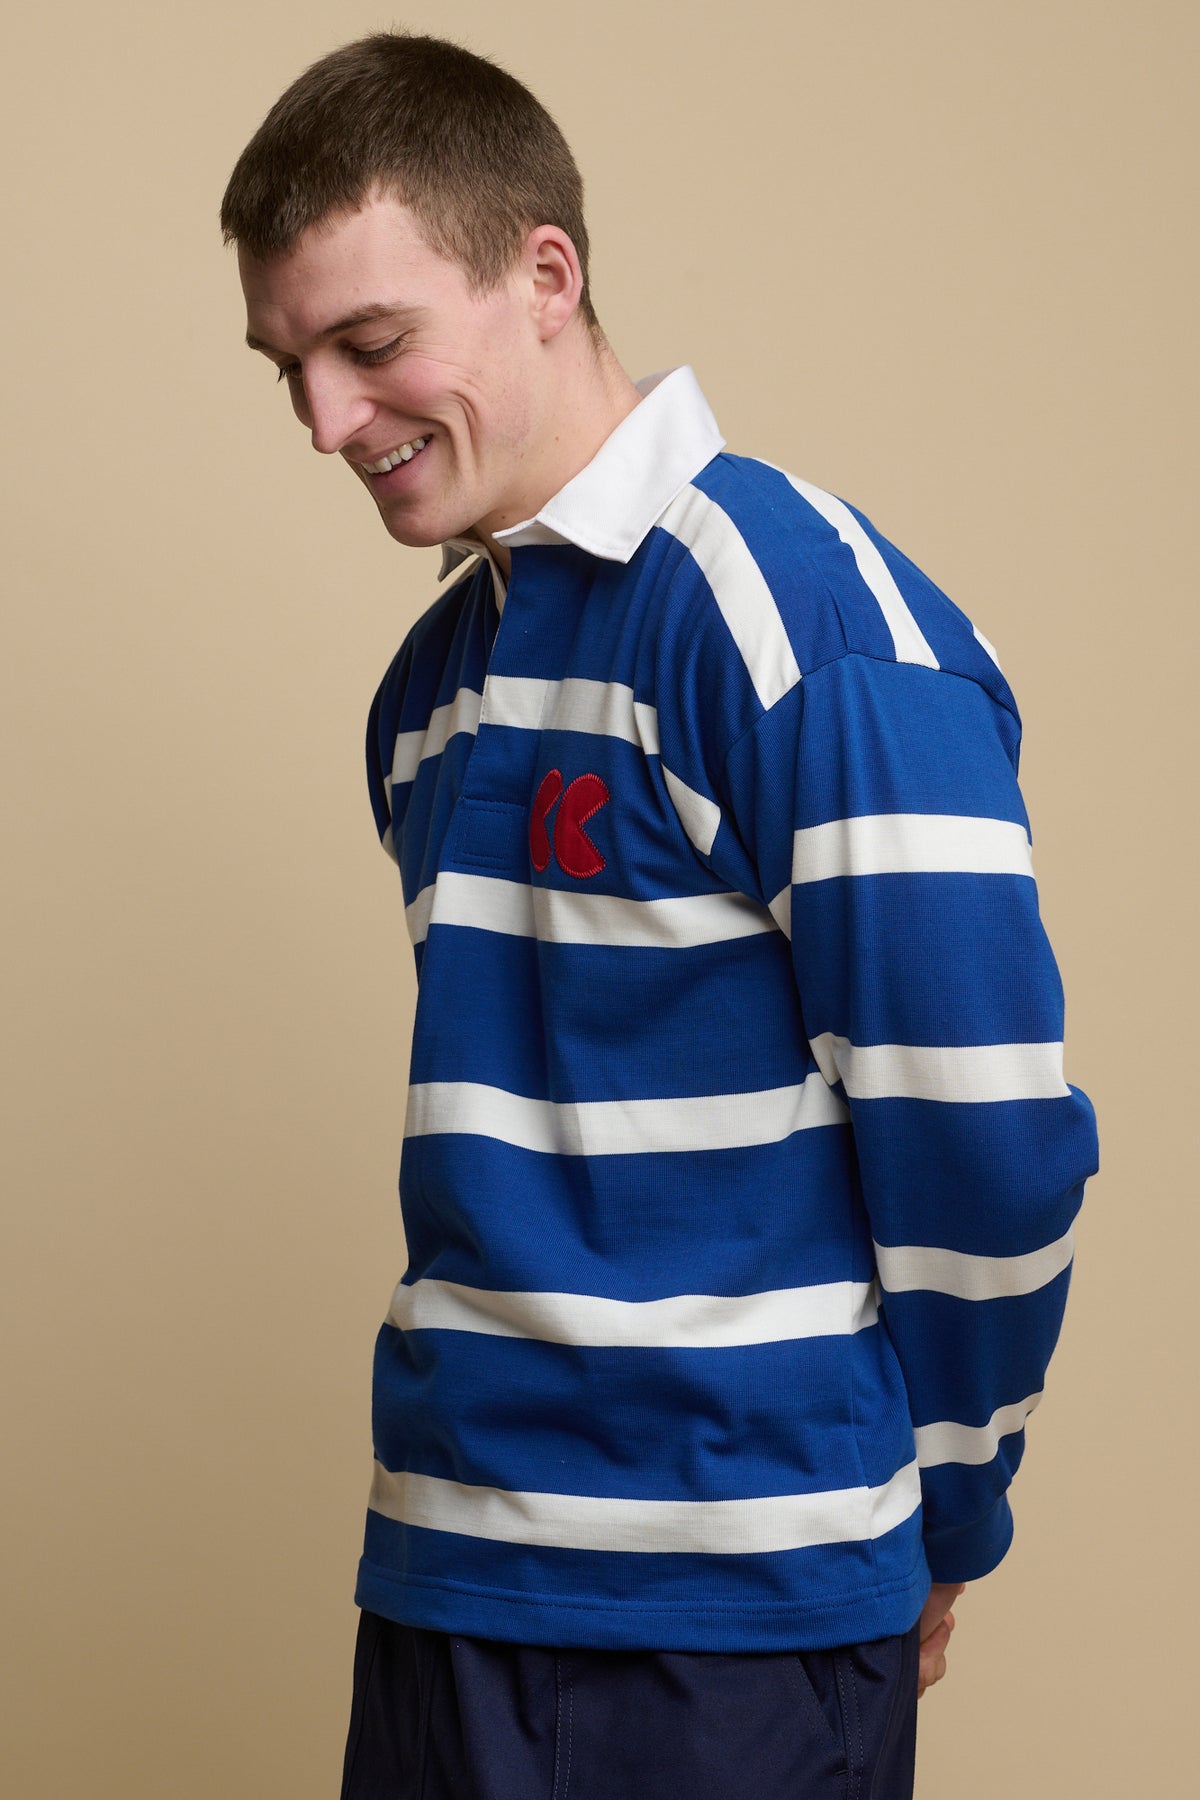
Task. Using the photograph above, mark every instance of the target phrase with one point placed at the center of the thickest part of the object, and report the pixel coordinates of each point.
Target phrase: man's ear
(554, 278)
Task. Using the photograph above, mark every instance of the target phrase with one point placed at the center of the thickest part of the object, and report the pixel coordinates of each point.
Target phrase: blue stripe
(490, 1215)
(876, 739)
(539, 1031)
(945, 1175)
(798, 1417)
(952, 1348)
(940, 971)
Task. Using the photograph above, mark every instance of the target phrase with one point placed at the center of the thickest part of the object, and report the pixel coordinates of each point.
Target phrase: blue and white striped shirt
(739, 1168)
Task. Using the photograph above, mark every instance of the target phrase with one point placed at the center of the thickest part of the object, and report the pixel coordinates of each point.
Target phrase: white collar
(611, 505)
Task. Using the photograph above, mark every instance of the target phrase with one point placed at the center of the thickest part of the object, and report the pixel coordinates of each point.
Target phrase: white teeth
(405, 453)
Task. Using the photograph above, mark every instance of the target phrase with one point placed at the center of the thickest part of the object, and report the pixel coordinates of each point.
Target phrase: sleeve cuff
(966, 1552)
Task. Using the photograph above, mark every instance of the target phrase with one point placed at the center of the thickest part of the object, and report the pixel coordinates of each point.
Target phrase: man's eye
(383, 354)
(290, 372)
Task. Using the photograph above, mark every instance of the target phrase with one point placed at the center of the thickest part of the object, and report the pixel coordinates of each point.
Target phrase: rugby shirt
(739, 1168)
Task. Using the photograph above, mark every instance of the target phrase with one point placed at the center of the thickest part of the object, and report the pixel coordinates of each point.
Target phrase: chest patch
(573, 848)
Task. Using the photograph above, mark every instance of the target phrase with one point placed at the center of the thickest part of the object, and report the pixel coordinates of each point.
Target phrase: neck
(586, 396)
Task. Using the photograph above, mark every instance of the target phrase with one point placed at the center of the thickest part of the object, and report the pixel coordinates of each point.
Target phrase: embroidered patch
(576, 853)
(539, 837)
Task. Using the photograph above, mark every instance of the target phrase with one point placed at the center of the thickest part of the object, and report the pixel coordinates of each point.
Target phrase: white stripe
(388, 842)
(913, 1268)
(990, 648)
(483, 902)
(679, 1321)
(515, 700)
(739, 589)
(412, 747)
(604, 708)
(621, 1127)
(907, 636)
(416, 914)
(780, 909)
(699, 816)
(950, 1072)
(688, 1527)
(560, 916)
(910, 843)
(949, 1442)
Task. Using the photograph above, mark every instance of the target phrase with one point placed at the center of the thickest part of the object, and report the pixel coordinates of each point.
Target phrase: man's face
(432, 361)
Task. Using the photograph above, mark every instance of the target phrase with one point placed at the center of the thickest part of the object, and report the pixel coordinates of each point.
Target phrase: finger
(932, 1669)
(930, 1674)
(936, 1624)
(931, 1659)
(939, 1637)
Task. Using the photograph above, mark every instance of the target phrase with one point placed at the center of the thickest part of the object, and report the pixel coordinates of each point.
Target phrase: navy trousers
(441, 1717)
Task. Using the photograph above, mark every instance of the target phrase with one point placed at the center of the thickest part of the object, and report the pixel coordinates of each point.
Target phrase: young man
(739, 1167)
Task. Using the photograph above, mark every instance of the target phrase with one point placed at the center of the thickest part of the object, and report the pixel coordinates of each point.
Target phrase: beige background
(936, 256)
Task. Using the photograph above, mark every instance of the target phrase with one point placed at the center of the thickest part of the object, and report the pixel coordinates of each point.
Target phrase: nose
(333, 406)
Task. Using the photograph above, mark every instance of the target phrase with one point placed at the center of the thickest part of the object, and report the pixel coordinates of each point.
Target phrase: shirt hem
(600, 1624)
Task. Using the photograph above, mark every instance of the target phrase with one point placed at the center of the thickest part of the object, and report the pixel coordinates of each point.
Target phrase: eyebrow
(364, 315)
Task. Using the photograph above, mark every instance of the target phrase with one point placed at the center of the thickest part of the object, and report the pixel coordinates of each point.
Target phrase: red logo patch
(576, 853)
(544, 799)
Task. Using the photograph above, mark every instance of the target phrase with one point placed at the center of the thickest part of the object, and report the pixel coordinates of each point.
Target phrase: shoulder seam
(889, 662)
(900, 662)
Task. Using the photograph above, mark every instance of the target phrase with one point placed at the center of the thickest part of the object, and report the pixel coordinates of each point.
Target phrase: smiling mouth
(403, 454)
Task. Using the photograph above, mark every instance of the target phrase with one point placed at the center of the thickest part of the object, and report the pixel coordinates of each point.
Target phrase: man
(739, 1168)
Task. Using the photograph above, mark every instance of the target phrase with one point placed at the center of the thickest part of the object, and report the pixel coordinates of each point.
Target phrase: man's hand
(935, 1625)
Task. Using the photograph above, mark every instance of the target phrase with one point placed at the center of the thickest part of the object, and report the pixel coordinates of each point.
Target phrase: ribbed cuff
(965, 1552)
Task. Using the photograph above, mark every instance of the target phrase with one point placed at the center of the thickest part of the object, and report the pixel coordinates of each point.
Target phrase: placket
(489, 827)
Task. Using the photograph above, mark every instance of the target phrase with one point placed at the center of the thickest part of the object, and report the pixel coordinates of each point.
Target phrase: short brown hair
(450, 134)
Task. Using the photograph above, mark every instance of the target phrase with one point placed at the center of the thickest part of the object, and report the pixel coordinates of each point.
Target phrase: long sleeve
(878, 803)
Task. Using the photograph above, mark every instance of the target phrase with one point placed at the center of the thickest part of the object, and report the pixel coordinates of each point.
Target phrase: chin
(413, 534)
